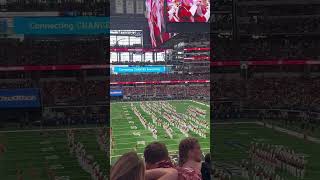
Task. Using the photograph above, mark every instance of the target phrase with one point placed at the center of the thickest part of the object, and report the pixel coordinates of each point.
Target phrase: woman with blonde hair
(131, 167)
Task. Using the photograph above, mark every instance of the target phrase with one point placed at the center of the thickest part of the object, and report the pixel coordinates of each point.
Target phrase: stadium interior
(157, 78)
(63, 132)
(265, 78)
(246, 88)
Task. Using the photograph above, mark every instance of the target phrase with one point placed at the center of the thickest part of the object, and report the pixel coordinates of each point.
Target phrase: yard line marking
(200, 103)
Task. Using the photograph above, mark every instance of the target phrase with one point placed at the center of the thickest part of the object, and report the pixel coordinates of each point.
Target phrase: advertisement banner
(19, 98)
(139, 69)
(116, 93)
(85, 25)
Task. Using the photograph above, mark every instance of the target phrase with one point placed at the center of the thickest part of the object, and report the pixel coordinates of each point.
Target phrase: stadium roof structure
(182, 37)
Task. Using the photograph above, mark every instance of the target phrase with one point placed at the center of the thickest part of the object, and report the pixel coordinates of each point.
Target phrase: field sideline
(125, 141)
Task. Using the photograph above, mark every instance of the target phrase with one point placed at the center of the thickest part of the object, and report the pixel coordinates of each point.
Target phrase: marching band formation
(102, 139)
(86, 161)
(164, 115)
(267, 160)
(147, 125)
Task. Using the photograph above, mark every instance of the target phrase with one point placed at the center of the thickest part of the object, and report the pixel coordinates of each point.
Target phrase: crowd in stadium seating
(279, 18)
(51, 52)
(286, 98)
(228, 88)
(285, 92)
(73, 93)
(64, 92)
(166, 91)
(157, 77)
(157, 163)
(278, 26)
(198, 91)
(275, 92)
(59, 92)
(71, 116)
(268, 49)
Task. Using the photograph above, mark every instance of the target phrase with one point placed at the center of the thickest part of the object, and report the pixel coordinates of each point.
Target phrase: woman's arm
(162, 174)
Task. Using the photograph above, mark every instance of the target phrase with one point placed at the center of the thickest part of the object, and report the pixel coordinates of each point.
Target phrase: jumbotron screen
(155, 9)
(188, 11)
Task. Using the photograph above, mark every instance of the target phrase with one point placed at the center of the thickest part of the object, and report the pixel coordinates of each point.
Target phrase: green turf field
(231, 142)
(38, 152)
(125, 141)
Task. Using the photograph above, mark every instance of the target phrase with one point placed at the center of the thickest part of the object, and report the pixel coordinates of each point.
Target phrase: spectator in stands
(189, 159)
(131, 166)
(156, 156)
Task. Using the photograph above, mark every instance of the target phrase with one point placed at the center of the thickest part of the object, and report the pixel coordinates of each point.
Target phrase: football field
(44, 154)
(231, 145)
(129, 134)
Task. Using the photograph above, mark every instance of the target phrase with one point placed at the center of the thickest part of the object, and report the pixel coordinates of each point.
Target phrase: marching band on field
(85, 161)
(194, 119)
(266, 161)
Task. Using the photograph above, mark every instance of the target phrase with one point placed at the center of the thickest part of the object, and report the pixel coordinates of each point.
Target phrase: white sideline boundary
(200, 103)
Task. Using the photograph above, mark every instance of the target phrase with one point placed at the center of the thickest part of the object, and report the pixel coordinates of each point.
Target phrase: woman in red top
(184, 13)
